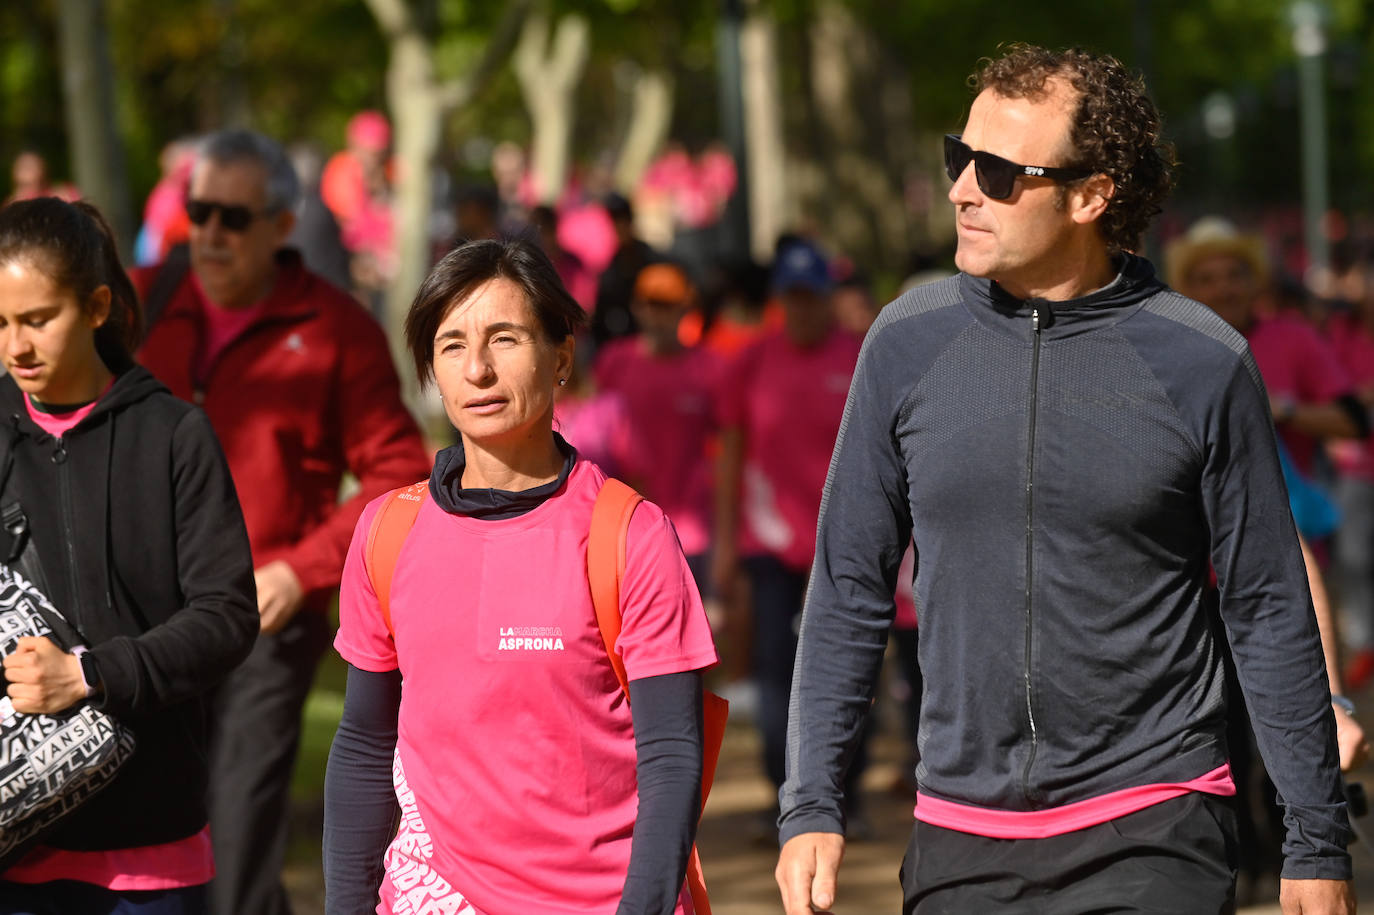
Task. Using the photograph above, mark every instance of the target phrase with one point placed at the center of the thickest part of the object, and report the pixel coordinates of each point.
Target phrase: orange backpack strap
(606, 564)
(390, 528)
(605, 571)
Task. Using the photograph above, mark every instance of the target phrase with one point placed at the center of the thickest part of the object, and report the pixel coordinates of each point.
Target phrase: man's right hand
(806, 872)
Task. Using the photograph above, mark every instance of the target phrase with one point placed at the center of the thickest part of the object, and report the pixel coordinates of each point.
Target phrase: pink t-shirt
(171, 865)
(59, 424)
(1297, 365)
(515, 756)
(1354, 347)
(222, 327)
(906, 598)
(673, 410)
(788, 400)
(1055, 821)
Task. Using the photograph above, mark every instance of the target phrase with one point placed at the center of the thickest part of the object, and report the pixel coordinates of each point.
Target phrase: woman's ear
(98, 307)
(567, 352)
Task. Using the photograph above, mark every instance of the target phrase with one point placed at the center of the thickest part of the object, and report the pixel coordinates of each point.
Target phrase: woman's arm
(214, 629)
(666, 711)
(359, 804)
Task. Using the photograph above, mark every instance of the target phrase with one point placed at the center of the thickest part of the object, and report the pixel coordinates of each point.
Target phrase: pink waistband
(171, 865)
(1041, 824)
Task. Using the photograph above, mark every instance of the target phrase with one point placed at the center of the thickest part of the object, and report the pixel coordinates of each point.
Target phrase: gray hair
(227, 146)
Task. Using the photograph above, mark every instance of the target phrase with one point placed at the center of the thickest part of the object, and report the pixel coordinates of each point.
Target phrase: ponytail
(73, 243)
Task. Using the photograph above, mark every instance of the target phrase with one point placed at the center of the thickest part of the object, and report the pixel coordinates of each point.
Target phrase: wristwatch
(1344, 704)
(90, 673)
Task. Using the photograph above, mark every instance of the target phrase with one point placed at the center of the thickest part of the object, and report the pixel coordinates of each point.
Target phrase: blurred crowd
(715, 384)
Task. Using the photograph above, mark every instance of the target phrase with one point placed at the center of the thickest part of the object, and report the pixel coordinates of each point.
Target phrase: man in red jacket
(299, 385)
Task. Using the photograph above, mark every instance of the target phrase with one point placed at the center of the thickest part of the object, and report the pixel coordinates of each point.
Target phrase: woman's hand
(43, 679)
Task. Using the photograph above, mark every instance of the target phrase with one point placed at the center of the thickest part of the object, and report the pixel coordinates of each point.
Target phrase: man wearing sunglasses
(1073, 447)
(298, 381)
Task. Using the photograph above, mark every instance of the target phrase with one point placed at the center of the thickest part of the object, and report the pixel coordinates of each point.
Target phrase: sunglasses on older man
(234, 217)
(997, 176)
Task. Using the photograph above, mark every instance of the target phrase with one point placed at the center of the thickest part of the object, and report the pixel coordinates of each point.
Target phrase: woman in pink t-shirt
(526, 782)
(133, 531)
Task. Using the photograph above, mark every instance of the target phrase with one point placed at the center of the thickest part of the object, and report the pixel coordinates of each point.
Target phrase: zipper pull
(1035, 320)
(59, 455)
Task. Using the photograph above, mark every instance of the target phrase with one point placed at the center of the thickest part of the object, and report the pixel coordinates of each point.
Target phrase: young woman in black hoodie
(142, 546)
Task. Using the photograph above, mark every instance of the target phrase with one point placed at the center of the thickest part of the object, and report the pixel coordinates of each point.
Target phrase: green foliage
(300, 70)
(30, 89)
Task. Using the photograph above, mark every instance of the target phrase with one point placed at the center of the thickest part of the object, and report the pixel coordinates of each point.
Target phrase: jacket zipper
(199, 387)
(59, 457)
(1030, 513)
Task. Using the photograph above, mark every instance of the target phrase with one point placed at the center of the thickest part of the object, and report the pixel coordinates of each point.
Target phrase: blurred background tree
(845, 100)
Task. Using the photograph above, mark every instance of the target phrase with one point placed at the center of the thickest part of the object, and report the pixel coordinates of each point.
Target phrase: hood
(130, 386)
(999, 310)
(446, 486)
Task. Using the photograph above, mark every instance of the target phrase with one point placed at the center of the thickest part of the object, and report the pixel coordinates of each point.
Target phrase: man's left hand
(279, 595)
(1350, 741)
(1317, 897)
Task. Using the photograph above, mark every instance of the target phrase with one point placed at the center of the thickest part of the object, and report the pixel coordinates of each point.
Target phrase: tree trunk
(651, 116)
(548, 79)
(413, 96)
(419, 103)
(88, 93)
(767, 166)
(862, 195)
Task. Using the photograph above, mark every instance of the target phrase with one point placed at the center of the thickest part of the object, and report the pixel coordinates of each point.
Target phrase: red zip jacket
(306, 392)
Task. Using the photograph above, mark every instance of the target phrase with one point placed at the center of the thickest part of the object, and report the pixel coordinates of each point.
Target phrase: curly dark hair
(1116, 129)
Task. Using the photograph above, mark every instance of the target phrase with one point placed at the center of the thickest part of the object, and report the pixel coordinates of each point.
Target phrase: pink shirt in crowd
(515, 756)
(1298, 365)
(1354, 347)
(788, 400)
(598, 427)
(673, 412)
(185, 862)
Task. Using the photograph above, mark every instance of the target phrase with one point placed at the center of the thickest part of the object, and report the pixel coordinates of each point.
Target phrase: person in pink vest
(526, 783)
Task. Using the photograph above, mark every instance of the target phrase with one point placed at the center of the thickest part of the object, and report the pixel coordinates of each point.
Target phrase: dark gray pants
(254, 738)
(1178, 856)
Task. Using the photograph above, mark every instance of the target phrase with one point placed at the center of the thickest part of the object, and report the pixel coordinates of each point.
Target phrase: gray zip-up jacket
(1069, 473)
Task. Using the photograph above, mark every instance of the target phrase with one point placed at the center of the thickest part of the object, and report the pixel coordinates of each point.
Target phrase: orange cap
(663, 283)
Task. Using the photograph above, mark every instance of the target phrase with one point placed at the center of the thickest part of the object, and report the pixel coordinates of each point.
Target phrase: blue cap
(801, 265)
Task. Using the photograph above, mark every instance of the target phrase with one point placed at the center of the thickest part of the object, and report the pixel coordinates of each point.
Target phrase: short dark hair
(467, 267)
(281, 184)
(72, 244)
(1116, 128)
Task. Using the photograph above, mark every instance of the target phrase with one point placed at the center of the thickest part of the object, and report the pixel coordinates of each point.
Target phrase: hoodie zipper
(1030, 568)
(64, 488)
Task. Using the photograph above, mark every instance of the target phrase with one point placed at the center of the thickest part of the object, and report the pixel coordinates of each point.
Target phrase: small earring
(562, 381)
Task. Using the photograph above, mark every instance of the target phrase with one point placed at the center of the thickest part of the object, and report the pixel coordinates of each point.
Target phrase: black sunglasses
(233, 217)
(997, 176)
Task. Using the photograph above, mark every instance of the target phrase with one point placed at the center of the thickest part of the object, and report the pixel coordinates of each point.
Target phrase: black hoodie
(143, 548)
